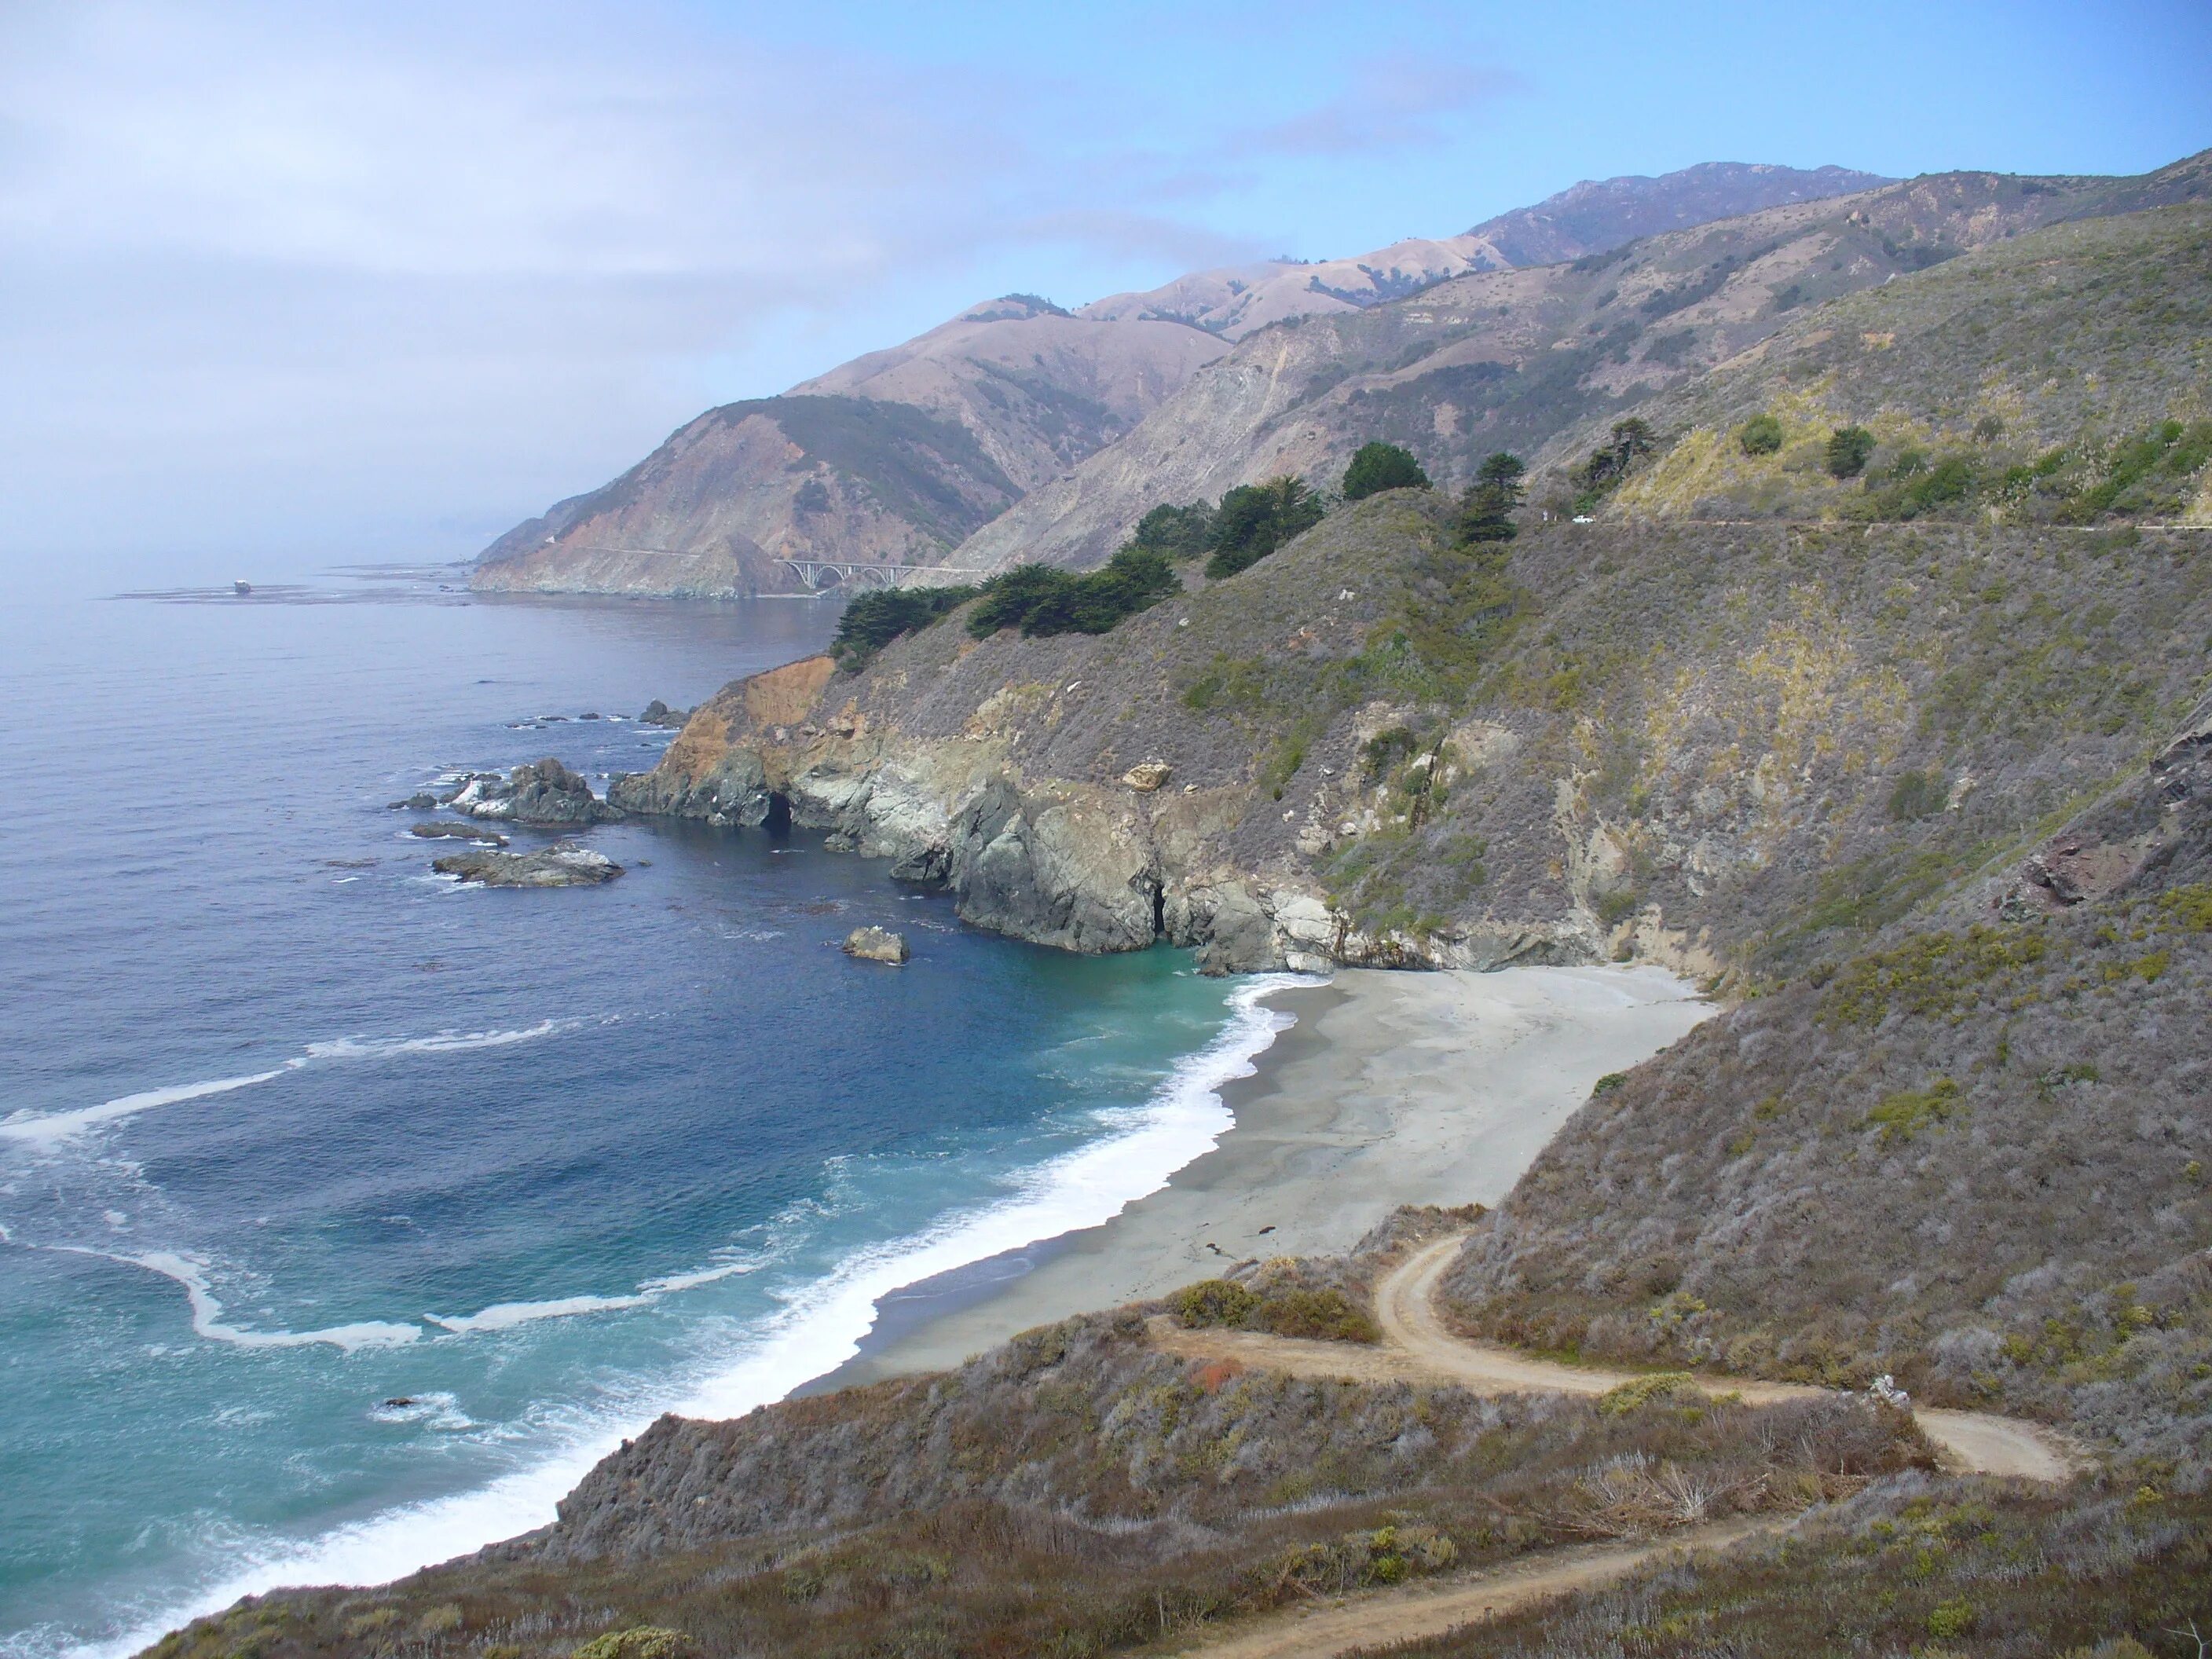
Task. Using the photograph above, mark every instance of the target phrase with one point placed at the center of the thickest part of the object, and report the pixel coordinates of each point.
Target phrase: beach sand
(1392, 1088)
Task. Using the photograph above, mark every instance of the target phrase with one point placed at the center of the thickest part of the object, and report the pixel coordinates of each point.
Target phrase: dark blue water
(348, 1214)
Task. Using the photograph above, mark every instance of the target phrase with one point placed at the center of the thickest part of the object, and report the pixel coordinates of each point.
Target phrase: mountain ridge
(1012, 395)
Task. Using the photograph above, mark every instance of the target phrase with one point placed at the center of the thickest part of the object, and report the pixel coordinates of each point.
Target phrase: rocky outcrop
(877, 945)
(454, 830)
(543, 793)
(658, 713)
(558, 865)
(1014, 774)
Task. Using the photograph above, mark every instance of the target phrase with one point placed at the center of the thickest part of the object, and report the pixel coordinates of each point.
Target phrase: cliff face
(1732, 750)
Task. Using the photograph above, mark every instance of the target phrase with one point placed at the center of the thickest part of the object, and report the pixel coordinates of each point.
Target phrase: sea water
(347, 1214)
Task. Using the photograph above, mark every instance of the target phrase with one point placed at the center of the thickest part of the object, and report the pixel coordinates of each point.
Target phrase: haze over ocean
(349, 1215)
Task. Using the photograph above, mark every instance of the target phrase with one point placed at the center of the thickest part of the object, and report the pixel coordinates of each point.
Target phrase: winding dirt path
(1417, 1347)
(1381, 1617)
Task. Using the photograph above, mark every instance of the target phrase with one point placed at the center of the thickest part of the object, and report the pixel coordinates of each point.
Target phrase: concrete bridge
(819, 574)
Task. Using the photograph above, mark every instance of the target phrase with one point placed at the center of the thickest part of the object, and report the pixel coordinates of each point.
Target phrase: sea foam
(43, 1129)
(820, 1327)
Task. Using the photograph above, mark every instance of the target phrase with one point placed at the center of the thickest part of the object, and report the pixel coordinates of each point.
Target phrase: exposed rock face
(543, 793)
(876, 945)
(997, 772)
(558, 865)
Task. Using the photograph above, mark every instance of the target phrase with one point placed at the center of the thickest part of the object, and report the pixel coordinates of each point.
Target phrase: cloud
(1396, 101)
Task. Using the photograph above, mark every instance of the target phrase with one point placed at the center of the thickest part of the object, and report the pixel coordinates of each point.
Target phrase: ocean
(347, 1214)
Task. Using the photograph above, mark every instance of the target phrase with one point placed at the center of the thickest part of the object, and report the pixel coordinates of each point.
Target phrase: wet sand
(1392, 1088)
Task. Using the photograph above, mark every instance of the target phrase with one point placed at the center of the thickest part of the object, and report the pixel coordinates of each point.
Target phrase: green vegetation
(1486, 514)
(1608, 466)
(873, 620)
(1254, 520)
(1379, 466)
(1849, 450)
(1074, 1493)
(1759, 435)
(1964, 1568)
(1906, 1113)
(1180, 532)
(1279, 1305)
(1043, 600)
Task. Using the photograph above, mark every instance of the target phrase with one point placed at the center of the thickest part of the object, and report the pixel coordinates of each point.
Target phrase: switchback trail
(1417, 1347)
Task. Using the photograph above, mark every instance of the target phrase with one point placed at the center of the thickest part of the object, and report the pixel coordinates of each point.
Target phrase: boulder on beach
(876, 945)
(562, 865)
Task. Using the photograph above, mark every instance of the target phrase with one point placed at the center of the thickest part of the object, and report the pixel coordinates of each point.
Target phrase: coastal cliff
(1733, 750)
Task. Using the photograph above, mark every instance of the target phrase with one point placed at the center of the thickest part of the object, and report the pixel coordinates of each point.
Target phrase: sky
(309, 283)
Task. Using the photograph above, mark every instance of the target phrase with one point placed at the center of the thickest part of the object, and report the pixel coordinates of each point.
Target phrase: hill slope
(892, 459)
(896, 457)
(1511, 359)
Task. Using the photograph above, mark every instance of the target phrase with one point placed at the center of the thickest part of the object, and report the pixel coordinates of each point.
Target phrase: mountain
(1511, 359)
(1590, 217)
(897, 457)
(891, 460)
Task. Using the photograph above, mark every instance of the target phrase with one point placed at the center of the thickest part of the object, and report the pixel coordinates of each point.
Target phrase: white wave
(440, 1043)
(506, 1315)
(818, 1329)
(48, 1129)
(437, 1410)
(207, 1311)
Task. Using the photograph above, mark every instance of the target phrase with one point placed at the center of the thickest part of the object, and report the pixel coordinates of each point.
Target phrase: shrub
(1254, 520)
(1849, 448)
(873, 620)
(1917, 795)
(1380, 466)
(1328, 1315)
(644, 1642)
(1213, 1302)
(1759, 435)
(1641, 1391)
(1905, 1114)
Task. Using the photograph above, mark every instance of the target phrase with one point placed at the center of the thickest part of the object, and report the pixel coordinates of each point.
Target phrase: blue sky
(328, 281)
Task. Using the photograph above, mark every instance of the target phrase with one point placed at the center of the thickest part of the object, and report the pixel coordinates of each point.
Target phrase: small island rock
(876, 945)
(454, 830)
(562, 865)
(546, 792)
(658, 713)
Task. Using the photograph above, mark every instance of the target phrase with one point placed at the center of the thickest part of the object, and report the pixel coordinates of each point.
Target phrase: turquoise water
(349, 1215)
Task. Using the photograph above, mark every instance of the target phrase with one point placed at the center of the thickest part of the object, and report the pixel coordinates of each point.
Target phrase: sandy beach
(1392, 1088)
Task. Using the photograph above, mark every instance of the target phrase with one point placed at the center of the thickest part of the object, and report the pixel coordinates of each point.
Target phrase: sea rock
(454, 830)
(421, 801)
(658, 713)
(562, 865)
(1147, 776)
(876, 945)
(545, 792)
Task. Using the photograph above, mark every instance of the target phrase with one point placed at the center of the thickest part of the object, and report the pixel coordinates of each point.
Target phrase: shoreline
(1390, 1088)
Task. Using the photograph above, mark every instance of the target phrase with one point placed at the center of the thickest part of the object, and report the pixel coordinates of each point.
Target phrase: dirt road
(1386, 1616)
(1417, 1347)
